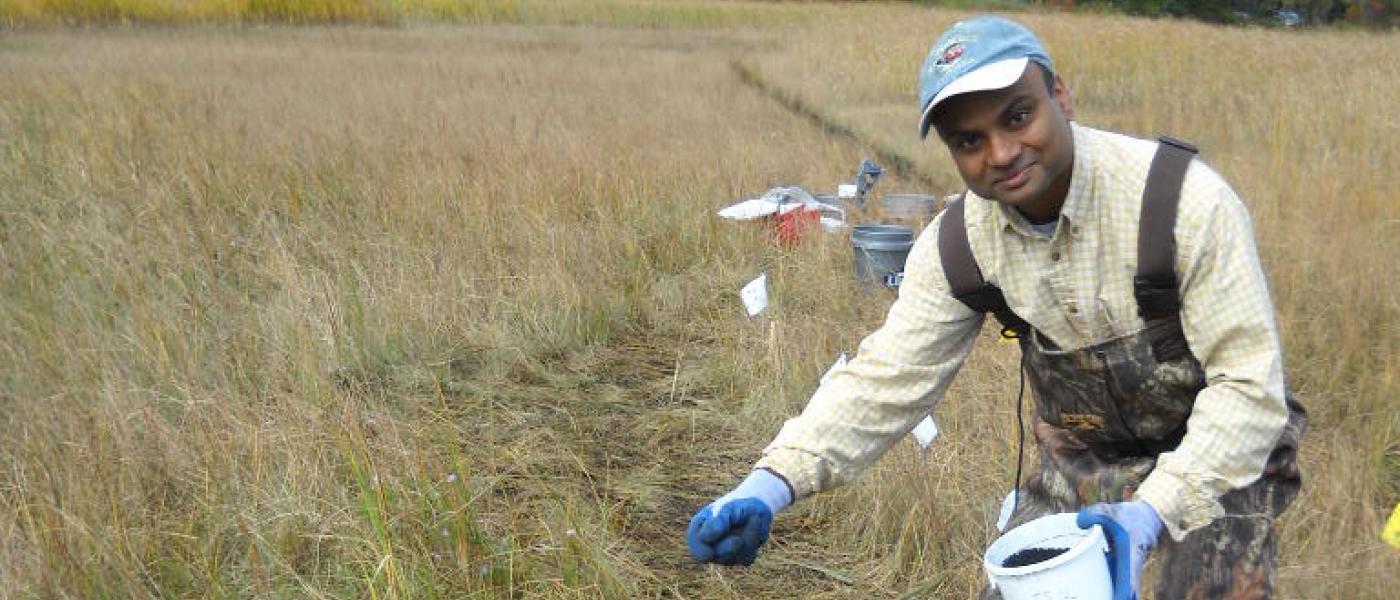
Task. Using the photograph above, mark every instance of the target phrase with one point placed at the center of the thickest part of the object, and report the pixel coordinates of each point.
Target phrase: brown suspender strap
(1155, 285)
(965, 277)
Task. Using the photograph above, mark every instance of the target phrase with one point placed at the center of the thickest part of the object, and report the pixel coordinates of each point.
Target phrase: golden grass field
(442, 310)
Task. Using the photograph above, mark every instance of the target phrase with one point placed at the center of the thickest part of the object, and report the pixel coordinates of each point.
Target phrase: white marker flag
(925, 431)
(755, 295)
(1007, 506)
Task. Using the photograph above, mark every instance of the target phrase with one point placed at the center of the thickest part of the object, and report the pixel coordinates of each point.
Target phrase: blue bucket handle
(1120, 551)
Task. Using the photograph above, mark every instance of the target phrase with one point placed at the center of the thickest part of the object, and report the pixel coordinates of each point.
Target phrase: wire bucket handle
(888, 278)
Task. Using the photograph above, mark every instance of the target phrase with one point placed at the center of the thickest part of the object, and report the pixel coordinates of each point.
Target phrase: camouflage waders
(1105, 412)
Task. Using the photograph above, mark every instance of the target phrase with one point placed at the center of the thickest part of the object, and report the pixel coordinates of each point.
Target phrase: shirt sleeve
(1228, 320)
(897, 375)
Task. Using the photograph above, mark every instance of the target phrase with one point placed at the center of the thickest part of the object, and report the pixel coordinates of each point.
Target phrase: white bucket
(1079, 573)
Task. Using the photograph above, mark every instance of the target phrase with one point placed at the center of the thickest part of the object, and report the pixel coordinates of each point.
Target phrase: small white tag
(840, 362)
(1007, 505)
(846, 190)
(925, 431)
(755, 295)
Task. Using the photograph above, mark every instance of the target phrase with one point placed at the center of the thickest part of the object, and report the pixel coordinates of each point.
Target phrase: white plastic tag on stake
(925, 431)
(840, 362)
(846, 190)
(755, 295)
(1006, 507)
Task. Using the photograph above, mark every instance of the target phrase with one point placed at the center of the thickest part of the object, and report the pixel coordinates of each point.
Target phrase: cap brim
(995, 76)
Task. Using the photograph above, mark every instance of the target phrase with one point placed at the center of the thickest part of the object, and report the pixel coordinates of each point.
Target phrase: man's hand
(729, 531)
(730, 535)
(1142, 526)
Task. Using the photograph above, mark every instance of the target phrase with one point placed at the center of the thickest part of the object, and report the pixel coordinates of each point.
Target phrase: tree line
(1285, 13)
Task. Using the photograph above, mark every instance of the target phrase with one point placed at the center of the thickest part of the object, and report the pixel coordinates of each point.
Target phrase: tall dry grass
(444, 312)
(630, 13)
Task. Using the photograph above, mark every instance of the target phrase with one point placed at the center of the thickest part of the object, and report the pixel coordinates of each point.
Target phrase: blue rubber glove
(730, 530)
(1142, 525)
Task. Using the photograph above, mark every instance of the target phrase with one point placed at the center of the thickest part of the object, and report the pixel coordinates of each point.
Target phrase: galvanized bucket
(911, 210)
(880, 252)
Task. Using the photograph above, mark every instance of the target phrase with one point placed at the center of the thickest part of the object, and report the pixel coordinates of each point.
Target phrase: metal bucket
(848, 209)
(912, 210)
(880, 254)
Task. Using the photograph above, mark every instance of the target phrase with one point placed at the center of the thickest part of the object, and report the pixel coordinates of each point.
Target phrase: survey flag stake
(755, 295)
(925, 431)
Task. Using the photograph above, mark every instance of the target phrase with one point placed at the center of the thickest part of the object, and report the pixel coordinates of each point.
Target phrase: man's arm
(1229, 323)
(900, 371)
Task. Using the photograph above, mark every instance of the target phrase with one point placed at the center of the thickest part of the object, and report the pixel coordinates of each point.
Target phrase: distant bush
(317, 11)
(1283, 13)
(1273, 12)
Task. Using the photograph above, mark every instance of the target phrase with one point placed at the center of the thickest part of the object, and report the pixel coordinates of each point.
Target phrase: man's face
(1013, 145)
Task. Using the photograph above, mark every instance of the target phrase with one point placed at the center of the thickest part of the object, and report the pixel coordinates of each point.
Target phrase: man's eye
(965, 143)
(1019, 117)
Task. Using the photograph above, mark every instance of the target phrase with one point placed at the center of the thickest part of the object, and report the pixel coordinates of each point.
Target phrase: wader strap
(1154, 286)
(965, 277)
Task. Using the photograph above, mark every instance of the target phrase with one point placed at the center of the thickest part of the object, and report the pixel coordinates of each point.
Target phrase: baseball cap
(982, 53)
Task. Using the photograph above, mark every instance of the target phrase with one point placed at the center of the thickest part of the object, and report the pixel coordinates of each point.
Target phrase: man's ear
(1060, 92)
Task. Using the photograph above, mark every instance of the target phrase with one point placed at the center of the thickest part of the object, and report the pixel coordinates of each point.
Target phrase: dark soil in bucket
(1030, 556)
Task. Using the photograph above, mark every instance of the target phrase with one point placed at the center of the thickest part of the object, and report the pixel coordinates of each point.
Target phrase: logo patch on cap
(953, 52)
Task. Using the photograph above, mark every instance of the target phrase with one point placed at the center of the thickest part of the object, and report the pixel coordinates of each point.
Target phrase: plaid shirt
(1075, 287)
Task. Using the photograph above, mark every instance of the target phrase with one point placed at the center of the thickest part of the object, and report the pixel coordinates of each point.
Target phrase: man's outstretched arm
(861, 410)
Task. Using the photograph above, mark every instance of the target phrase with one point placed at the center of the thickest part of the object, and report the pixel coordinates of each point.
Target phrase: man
(1142, 314)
